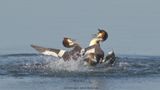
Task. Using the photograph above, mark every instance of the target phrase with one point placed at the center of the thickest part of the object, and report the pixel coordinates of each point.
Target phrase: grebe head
(68, 42)
(102, 34)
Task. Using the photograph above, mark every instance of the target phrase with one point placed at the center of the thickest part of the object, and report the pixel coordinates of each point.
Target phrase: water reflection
(88, 83)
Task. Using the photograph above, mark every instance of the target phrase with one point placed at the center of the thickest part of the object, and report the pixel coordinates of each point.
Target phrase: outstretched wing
(110, 58)
(49, 51)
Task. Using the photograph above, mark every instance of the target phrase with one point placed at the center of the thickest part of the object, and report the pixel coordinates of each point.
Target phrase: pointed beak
(100, 39)
(94, 35)
(73, 40)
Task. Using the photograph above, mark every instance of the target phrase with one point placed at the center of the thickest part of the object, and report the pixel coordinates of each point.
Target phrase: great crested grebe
(66, 55)
(94, 54)
(75, 53)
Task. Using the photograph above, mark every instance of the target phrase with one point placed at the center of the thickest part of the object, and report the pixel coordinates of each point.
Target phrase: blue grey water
(133, 28)
(34, 71)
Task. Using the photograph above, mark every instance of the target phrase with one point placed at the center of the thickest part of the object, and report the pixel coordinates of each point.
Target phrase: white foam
(71, 65)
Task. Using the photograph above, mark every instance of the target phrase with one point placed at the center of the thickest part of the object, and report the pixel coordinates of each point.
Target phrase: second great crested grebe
(75, 52)
(66, 55)
(94, 54)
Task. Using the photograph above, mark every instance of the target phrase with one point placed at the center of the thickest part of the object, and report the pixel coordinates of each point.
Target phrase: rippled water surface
(32, 71)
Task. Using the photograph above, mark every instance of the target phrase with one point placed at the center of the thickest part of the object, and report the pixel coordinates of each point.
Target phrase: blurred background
(133, 25)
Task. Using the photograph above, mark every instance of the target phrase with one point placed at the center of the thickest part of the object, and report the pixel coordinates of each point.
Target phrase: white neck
(93, 41)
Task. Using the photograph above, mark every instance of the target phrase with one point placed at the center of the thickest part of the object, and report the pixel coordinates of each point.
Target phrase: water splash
(33, 64)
